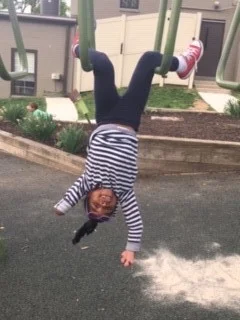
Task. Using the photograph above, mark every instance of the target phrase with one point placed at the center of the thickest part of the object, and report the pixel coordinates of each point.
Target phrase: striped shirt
(111, 163)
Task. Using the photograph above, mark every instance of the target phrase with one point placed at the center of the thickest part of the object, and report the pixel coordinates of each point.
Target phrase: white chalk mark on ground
(212, 283)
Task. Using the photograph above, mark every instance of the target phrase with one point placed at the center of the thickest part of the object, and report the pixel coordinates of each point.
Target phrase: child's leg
(140, 84)
(129, 109)
(139, 88)
(105, 92)
(133, 102)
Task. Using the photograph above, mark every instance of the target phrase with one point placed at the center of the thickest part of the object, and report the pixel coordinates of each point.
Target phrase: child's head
(100, 204)
(31, 107)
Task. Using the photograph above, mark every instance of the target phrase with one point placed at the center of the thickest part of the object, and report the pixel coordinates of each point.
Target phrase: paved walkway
(190, 223)
(217, 101)
(62, 109)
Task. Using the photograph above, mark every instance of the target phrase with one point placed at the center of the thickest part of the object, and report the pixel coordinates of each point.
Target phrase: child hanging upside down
(111, 168)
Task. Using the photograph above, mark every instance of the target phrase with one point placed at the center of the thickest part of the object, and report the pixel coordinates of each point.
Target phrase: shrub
(38, 128)
(41, 102)
(233, 108)
(72, 139)
(13, 113)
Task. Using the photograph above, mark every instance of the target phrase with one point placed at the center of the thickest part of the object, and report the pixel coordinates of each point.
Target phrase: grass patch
(166, 97)
(171, 97)
(23, 102)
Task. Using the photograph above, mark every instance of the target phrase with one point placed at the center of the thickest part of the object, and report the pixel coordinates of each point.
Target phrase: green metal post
(87, 32)
(171, 38)
(4, 74)
(91, 22)
(226, 52)
(160, 25)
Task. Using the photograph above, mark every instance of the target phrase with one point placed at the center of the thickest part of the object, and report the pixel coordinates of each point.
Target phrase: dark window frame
(127, 7)
(35, 52)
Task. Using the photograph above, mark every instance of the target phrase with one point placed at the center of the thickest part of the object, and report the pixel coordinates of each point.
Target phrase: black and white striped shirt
(111, 163)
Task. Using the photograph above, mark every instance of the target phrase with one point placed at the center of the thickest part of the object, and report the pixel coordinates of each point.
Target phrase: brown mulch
(197, 125)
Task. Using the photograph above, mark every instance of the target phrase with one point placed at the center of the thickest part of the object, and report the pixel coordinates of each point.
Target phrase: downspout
(66, 60)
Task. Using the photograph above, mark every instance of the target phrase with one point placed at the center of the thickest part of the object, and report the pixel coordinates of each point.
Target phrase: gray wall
(225, 15)
(50, 41)
(111, 8)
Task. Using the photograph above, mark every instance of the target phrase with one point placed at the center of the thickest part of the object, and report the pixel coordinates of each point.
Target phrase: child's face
(29, 108)
(102, 202)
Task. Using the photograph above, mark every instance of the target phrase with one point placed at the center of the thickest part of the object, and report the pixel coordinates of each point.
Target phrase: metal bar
(226, 52)
(171, 38)
(160, 25)
(4, 74)
(91, 24)
(86, 29)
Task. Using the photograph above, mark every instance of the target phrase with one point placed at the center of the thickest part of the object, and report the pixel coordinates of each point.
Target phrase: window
(129, 4)
(25, 86)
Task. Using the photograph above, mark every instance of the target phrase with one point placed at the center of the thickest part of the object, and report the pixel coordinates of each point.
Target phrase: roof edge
(40, 18)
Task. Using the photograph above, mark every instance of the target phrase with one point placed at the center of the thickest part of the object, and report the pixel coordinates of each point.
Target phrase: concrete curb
(157, 155)
(39, 153)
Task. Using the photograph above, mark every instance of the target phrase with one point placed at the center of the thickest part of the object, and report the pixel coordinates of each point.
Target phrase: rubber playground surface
(188, 268)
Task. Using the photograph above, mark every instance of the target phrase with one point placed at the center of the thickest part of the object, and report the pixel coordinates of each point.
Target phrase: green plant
(13, 113)
(233, 108)
(38, 128)
(72, 139)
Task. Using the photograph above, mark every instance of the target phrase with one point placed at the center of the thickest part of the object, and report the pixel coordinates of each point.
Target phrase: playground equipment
(4, 74)
(87, 39)
(226, 52)
(87, 32)
(172, 34)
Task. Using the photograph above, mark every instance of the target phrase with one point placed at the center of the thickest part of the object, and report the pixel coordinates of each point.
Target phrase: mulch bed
(196, 125)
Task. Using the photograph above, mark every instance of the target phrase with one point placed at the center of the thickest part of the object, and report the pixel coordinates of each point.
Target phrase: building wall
(50, 41)
(111, 8)
(206, 4)
(225, 15)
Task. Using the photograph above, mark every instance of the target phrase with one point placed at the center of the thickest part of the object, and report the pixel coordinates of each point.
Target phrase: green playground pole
(91, 29)
(160, 26)
(226, 52)
(4, 74)
(86, 28)
(172, 33)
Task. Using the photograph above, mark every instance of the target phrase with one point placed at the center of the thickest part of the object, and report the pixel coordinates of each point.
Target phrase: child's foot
(191, 57)
(75, 44)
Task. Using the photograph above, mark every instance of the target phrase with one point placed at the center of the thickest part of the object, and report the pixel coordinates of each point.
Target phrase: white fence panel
(124, 39)
(139, 37)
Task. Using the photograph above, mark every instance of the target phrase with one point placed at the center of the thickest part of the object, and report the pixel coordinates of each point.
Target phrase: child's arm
(73, 195)
(135, 226)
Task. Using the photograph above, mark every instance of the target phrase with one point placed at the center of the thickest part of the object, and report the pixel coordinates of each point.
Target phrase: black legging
(128, 108)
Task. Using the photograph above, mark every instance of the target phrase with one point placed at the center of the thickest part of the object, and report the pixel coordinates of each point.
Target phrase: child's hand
(127, 258)
(58, 213)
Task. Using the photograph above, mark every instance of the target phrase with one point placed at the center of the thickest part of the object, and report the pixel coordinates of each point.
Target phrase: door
(212, 33)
